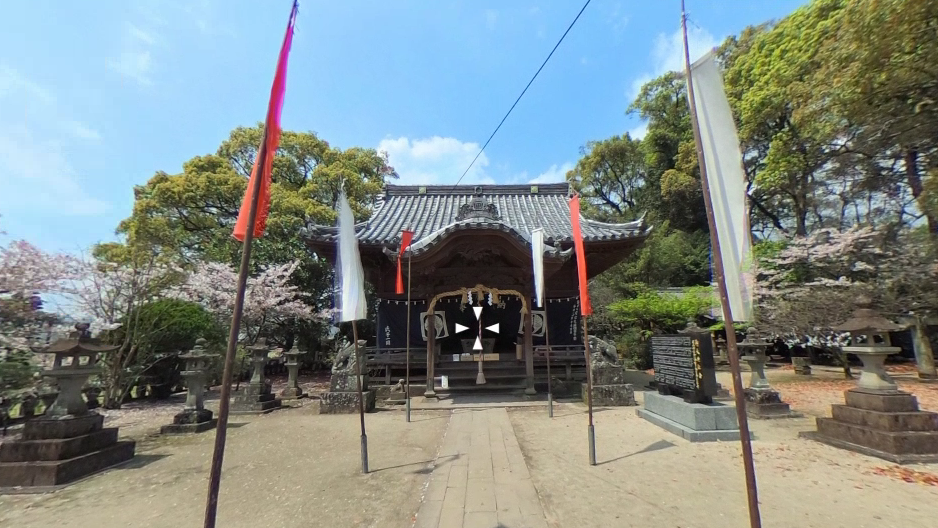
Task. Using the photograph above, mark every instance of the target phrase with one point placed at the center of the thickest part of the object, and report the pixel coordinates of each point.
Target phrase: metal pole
(755, 520)
(221, 430)
(407, 346)
(361, 397)
(589, 394)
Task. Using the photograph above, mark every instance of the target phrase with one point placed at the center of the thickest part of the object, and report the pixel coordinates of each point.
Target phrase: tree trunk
(924, 355)
(914, 180)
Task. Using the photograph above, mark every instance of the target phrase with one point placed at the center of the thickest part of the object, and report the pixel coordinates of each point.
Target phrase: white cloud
(37, 175)
(668, 54)
(12, 83)
(435, 160)
(555, 174)
(639, 131)
(135, 65)
(82, 131)
(141, 35)
(491, 17)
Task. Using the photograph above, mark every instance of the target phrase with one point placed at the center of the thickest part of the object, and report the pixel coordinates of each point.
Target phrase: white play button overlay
(478, 311)
(477, 345)
(461, 328)
(492, 328)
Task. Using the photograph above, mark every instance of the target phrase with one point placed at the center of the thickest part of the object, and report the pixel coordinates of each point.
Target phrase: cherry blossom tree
(813, 283)
(270, 299)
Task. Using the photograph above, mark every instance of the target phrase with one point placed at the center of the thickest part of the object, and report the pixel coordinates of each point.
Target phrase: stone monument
(293, 391)
(256, 398)
(686, 382)
(878, 419)
(68, 442)
(761, 400)
(342, 397)
(609, 386)
(194, 417)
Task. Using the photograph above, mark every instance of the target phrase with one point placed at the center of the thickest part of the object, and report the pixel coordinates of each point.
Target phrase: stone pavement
(480, 479)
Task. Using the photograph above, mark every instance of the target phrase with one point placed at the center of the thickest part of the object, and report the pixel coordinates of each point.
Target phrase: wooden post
(591, 432)
(407, 346)
(755, 520)
(431, 353)
(529, 351)
(361, 396)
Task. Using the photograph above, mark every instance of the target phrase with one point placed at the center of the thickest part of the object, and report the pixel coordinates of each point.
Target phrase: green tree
(610, 175)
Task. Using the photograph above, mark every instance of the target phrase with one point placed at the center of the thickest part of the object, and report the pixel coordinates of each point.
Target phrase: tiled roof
(434, 211)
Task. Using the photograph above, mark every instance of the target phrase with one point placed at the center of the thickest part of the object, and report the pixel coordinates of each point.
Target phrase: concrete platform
(695, 422)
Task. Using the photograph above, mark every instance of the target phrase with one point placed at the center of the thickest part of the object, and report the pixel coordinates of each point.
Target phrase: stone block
(608, 375)
(58, 448)
(802, 365)
(66, 427)
(346, 383)
(618, 395)
(345, 402)
(882, 402)
(59, 472)
(897, 443)
(291, 393)
(189, 428)
(192, 417)
(883, 421)
(262, 404)
(688, 434)
(770, 410)
(694, 416)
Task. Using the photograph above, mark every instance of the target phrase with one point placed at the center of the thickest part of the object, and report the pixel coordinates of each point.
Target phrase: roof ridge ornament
(478, 208)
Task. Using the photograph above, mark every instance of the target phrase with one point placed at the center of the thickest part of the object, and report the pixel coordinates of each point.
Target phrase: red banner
(406, 238)
(271, 142)
(585, 307)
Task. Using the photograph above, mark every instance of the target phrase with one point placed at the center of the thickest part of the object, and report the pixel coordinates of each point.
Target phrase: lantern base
(885, 425)
(55, 452)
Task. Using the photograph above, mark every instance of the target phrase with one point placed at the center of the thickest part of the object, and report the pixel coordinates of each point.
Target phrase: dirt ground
(648, 477)
(290, 468)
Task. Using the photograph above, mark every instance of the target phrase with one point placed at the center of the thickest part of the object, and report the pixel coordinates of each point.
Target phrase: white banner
(537, 257)
(350, 299)
(727, 181)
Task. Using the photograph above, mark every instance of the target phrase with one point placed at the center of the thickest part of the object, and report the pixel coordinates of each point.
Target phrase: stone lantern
(877, 418)
(761, 400)
(194, 417)
(68, 442)
(76, 358)
(257, 398)
(293, 390)
(869, 341)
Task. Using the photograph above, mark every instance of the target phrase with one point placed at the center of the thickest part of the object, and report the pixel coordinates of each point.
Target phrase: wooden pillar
(529, 350)
(431, 354)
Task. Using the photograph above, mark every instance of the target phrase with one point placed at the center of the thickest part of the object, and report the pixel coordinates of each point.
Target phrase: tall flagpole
(591, 432)
(550, 392)
(755, 520)
(361, 397)
(407, 345)
(221, 431)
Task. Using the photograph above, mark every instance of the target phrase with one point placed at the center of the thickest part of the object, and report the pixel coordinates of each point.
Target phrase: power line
(523, 91)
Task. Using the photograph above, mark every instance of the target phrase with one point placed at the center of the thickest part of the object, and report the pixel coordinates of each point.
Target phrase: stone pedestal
(887, 425)
(194, 418)
(609, 387)
(695, 422)
(257, 397)
(766, 403)
(57, 451)
(293, 391)
(343, 397)
(802, 365)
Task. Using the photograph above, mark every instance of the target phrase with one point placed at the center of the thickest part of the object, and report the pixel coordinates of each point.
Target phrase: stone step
(55, 473)
(57, 449)
(897, 402)
(899, 443)
(882, 421)
(48, 429)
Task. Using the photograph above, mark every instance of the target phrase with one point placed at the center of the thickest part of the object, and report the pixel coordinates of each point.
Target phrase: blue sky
(96, 97)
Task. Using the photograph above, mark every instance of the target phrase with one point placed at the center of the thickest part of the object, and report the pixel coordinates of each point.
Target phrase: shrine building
(472, 248)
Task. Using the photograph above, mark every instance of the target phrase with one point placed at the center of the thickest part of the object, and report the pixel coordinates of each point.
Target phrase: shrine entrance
(489, 336)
